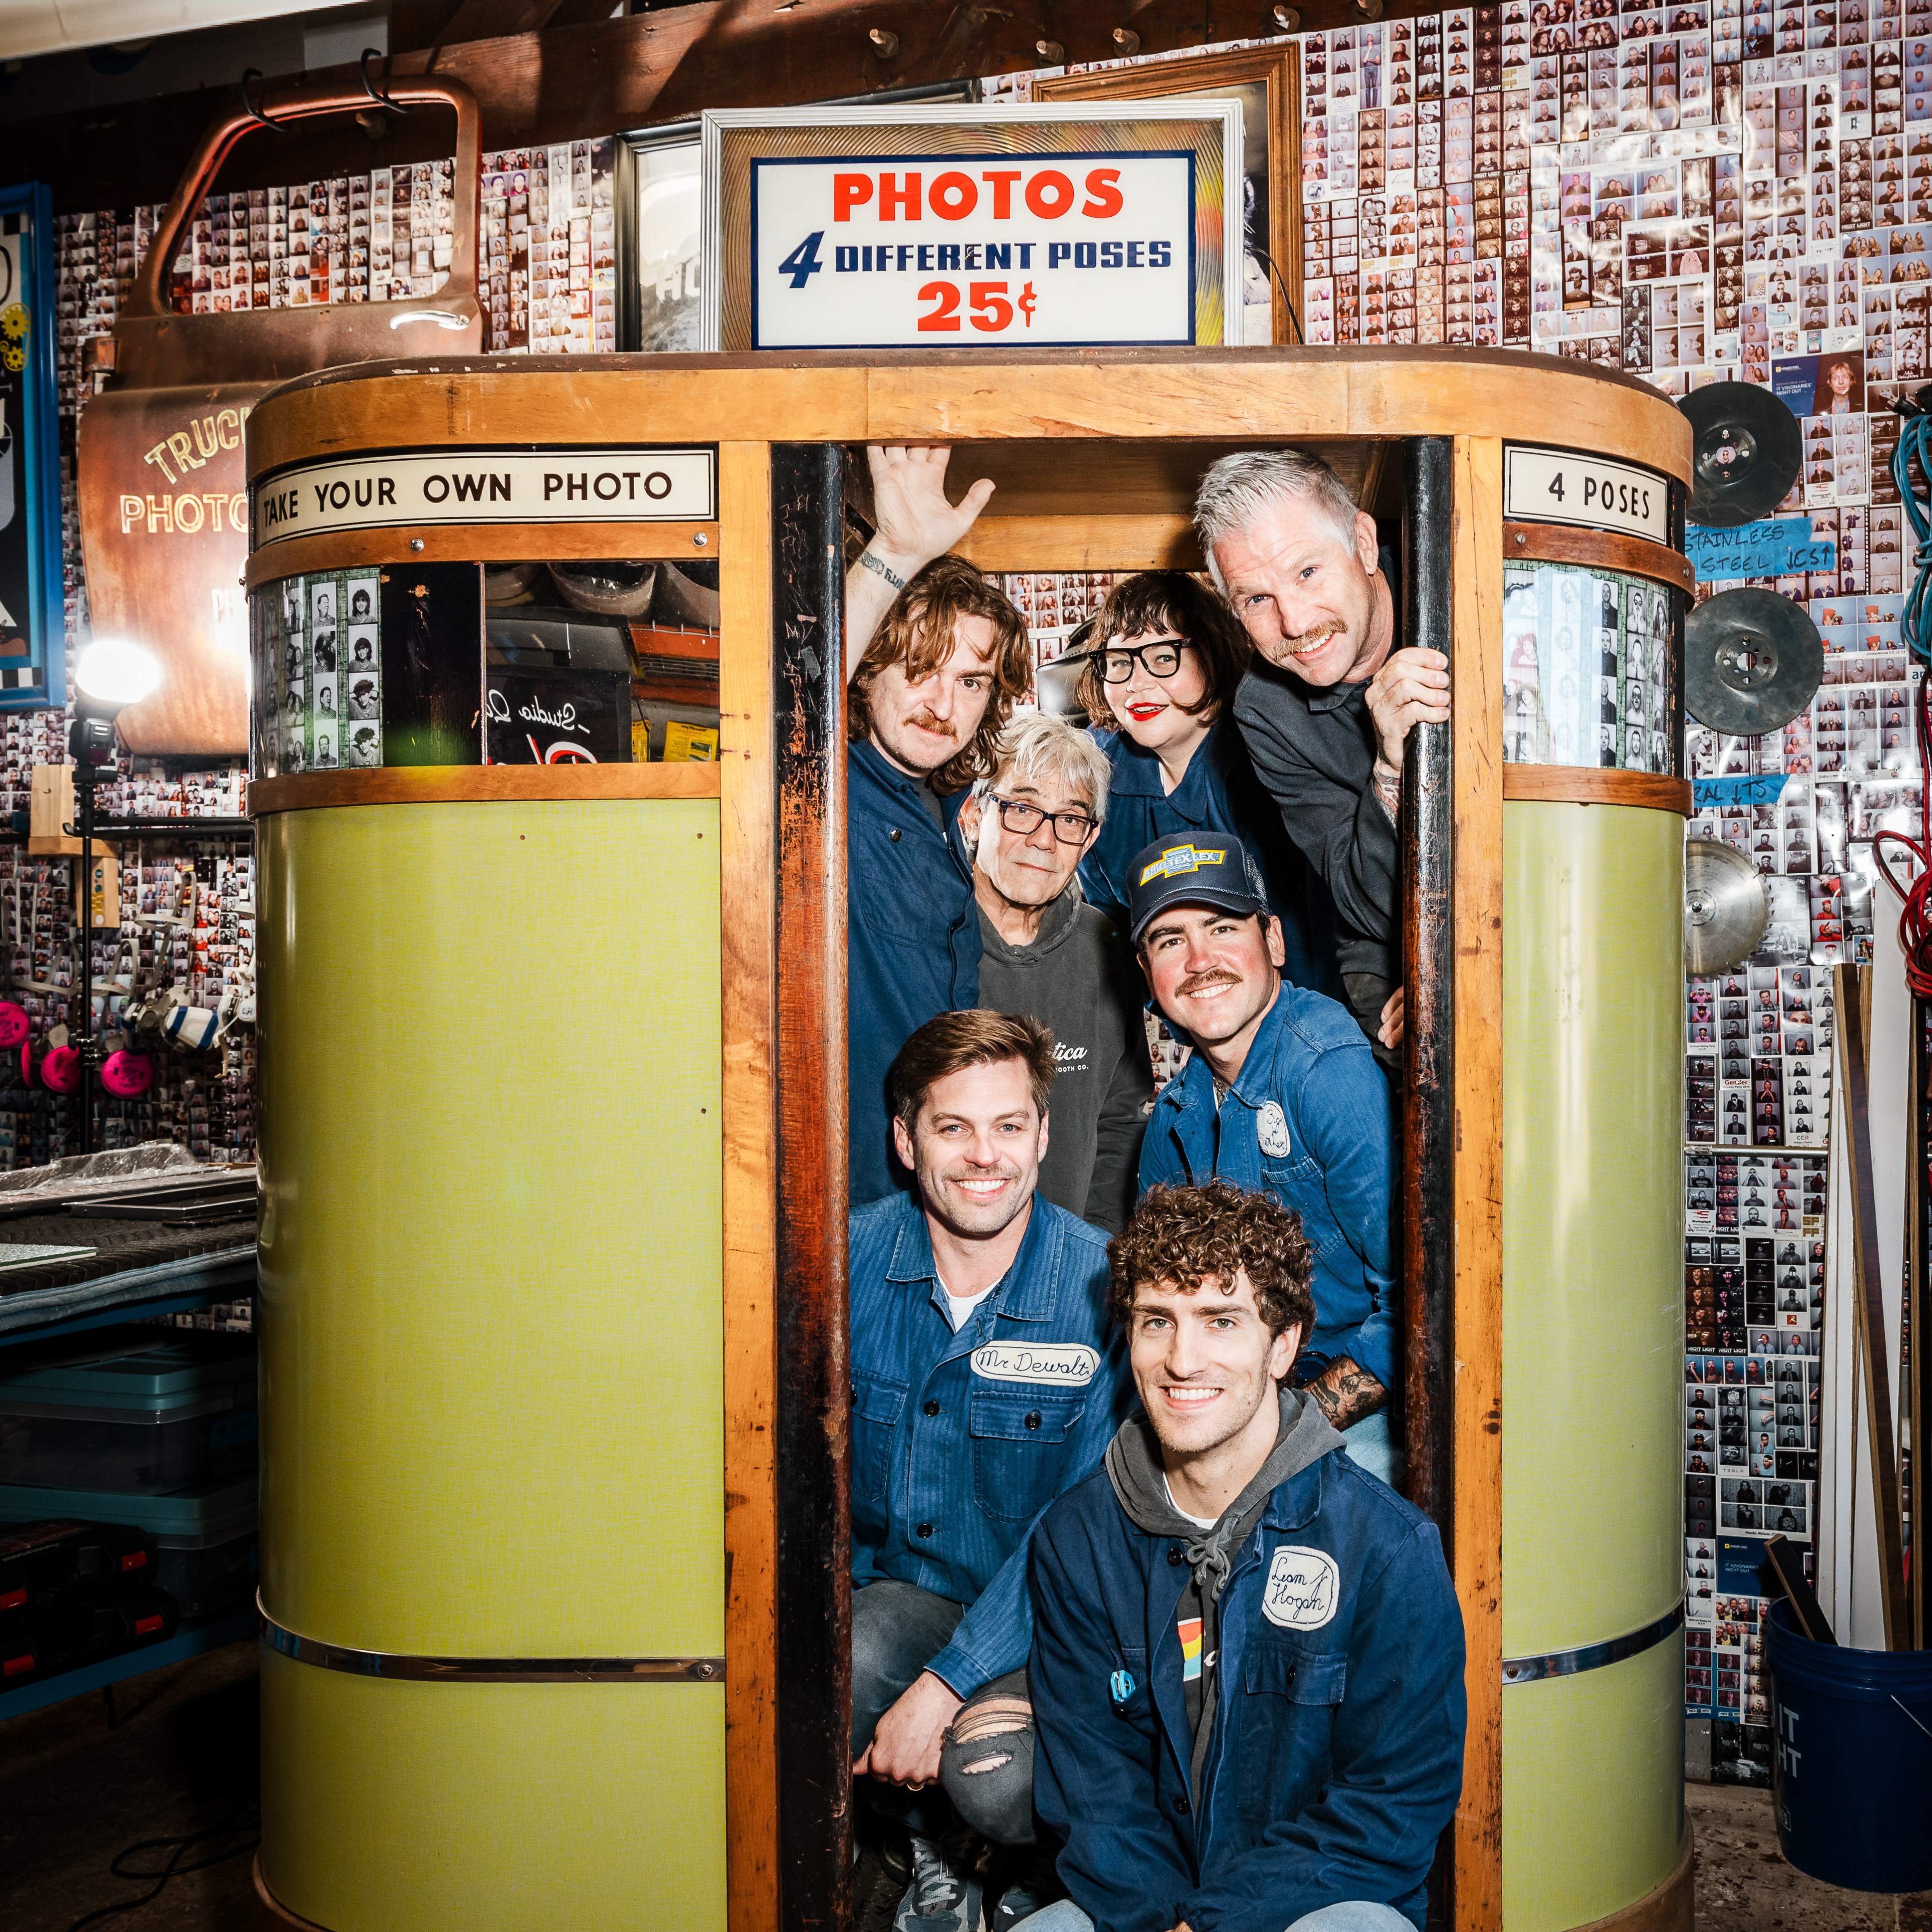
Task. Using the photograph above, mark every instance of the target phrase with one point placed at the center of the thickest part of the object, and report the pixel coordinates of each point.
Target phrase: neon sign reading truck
(414, 488)
(899, 251)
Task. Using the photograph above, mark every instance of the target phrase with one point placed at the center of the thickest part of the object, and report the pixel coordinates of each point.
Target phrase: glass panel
(1589, 668)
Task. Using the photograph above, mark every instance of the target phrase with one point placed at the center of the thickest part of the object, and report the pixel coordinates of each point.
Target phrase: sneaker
(939, 1899)
(1016, 1903)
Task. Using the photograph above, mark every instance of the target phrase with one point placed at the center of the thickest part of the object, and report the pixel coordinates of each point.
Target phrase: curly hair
(1155, 601)
(1190, 1236)
(918, 632)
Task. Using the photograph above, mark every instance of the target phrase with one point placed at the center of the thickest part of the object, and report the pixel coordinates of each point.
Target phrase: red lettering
(1049, 194)
(892, 198)
(848, 192)
(1103, 185)
(1001, 180)
(953, 197)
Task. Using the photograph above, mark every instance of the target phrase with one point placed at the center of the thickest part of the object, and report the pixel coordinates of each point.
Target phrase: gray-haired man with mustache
(1326, 711)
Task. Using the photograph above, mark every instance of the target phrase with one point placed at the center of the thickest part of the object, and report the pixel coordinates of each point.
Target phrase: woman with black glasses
(1164, 658)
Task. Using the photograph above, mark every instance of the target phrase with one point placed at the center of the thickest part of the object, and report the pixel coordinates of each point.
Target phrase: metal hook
(369, 86)
(254, 112)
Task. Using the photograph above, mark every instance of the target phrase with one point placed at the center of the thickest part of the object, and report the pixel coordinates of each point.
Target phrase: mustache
(1198, 983)
(923, 720)
(1315, 634)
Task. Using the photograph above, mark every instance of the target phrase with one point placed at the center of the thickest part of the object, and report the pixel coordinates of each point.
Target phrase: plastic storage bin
(204, 1538)
(129, 1409)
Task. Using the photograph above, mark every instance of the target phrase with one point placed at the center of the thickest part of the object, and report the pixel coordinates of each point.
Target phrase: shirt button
(894, 835)
(932, 1408)
(1173, 1555)
(1180, 1806)
(1032, 1421)
(924, 1529)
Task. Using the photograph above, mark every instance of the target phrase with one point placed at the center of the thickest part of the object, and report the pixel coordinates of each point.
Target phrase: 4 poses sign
(891, 228)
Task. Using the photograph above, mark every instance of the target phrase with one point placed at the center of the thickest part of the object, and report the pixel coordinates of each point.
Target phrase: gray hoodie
(1078, 978)
(1139, 1478)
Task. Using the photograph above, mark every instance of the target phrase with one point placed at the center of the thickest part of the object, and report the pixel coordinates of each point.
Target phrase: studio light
(115, 674)
(110, 675)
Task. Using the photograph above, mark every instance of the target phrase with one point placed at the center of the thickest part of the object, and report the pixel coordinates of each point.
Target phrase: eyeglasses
(1160, 660)
(1070, 828)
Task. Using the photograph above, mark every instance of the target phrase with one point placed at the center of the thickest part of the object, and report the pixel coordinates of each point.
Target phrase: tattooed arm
(1345, 1392)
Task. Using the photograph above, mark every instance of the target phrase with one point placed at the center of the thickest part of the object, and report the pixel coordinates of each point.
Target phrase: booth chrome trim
(488, 1670)
(1592, 1656)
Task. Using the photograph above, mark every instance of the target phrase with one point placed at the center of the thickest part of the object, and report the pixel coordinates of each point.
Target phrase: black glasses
(1159, 660)
(1070, 828)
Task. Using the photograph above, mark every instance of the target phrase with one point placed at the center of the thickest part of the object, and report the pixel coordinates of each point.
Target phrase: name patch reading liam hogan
(1070, 1364)
(1302, 1589)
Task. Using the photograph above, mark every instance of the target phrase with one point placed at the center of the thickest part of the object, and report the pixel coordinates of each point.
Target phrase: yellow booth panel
(1593, 1222)
(1593, 1789)
(491, 1808)
(491, 1308)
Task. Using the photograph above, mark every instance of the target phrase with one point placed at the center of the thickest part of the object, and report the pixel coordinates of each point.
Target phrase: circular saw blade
(1745, 453)
(1752, 660)
(1726, 908)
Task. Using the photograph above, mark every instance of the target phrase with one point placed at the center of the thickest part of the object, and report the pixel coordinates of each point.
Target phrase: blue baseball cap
(1199, 868)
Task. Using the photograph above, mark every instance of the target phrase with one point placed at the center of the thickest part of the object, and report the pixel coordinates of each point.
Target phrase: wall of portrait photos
(1708, 191)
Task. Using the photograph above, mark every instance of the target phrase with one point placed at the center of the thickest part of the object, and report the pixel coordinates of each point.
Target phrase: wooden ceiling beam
(573, 82)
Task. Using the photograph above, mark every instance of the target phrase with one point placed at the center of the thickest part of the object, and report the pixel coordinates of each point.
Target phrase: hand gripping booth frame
(555, 1552)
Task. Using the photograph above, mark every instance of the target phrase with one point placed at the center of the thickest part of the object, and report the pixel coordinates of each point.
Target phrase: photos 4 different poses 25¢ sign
(955, 228)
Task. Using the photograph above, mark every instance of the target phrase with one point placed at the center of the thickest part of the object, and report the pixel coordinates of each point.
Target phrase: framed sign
(951, 227)
(32, 620)
(1563, 486)
(1267, 82)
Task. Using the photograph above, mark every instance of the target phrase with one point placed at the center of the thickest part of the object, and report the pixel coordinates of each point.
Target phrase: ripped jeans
(986, 1764)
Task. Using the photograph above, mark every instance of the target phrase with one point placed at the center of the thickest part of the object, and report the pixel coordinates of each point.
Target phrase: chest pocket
(1287, 1716)
(914, 893)
(1019, 1449)
(1297, 1183)
(876, 1409)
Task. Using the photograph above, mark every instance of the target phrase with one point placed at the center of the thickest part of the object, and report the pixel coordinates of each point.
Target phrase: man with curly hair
(1247, 1663)
(935, 657)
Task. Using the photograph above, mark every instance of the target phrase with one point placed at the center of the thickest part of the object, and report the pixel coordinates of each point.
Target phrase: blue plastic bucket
(1852, 1769)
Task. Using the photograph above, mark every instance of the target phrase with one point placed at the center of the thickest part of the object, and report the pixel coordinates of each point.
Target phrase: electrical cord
(247, 1826)
(1915, 918)
(1267, 261)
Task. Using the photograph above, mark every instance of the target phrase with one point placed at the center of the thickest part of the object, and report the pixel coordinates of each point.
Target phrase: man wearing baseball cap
(1281, 1094)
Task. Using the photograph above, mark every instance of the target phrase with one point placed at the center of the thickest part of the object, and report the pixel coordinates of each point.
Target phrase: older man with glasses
(1049, 957)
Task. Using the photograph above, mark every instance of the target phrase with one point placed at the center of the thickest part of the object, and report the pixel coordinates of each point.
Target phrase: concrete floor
(1743, 1884)
(183, 1758)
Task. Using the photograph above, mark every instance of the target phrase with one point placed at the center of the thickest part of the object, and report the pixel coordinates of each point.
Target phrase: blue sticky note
(1772, 546)
(1742, 788)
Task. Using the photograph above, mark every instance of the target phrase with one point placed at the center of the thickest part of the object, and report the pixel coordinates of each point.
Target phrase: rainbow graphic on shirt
(1189, 1631)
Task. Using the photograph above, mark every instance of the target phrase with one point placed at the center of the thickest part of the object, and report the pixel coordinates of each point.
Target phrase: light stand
(91, 744)
(109, 677)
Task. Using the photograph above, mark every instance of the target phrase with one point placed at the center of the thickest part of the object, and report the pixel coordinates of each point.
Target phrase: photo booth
(556, 1583)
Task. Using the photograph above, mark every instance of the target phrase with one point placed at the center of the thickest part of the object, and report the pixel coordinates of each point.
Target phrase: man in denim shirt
(1282, 1094)
(935, 657)
(985, 1382)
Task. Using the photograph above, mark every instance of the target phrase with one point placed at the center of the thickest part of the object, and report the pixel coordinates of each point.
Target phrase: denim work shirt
(959, 1440)
(1219, 792)
(1337, 1755)
(1307, 1121)
(912, 944)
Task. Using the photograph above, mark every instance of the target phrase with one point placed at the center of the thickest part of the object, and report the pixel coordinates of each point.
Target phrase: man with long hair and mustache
(935, 656)
(1327, 712)
(1280, 1096)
